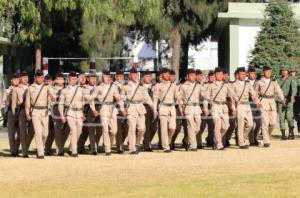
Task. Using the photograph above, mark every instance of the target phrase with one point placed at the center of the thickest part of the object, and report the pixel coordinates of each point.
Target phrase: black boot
(291, 133)
(283, 137)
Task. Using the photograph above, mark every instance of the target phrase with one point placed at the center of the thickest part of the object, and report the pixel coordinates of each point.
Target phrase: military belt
(220, 102)
(168, 104)
(192, 104)
(40, 107)
(76, 109)
(266, 96)
(244, 102)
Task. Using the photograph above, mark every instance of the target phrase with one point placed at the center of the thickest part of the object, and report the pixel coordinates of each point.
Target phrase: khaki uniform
(60, 134)
(190, 94)
(38, 108)
(244, 90)
(166, 110)
(122, 127)
(151, 124)
(108, 112)
(135, 112)
(13, 132)
(256, 113)
(74, 116)
(269, 114)
(18, 111)
(92, 123)
(219, 109)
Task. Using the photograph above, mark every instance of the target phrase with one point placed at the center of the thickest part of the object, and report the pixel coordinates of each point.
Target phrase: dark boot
(291, 133)
(283, 137)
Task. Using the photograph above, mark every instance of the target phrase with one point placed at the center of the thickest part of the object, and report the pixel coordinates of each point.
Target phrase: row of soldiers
(138, 109)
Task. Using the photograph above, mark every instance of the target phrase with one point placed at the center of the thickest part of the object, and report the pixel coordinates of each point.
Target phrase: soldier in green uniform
(289, 89)
(293, 74)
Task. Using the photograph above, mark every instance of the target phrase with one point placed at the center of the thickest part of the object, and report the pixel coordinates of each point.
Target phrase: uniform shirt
(288, 86)
(139, 98)
(39, 96)
(6, 99)
(190, 95)
(274, 89)
(18, 97)
(76, 108)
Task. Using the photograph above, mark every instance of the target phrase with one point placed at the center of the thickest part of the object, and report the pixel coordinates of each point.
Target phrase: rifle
(127, 106)
(66, 110)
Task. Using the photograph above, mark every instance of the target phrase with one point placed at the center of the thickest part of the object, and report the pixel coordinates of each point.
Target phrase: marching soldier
(151, 124)
(60, 133)
(18, 111)
(289, 88)
(122, 126)
(13, 132)
(70, 108)
(293, 74)
(106, 93)
(37, 109)
(256, 113)
(92, 122)
(199, 80)
(216, 95)
(135, 95)
(244, 90)
(166, 94)
(267, 89)
(190, 93)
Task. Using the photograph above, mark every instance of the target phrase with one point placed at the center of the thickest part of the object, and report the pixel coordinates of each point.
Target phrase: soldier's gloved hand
(28, 117)
(233, 113)
(124, 113)
(63, 119)
(205, 113)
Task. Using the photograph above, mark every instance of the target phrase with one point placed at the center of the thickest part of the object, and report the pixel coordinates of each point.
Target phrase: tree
(279, 39)
(35, 21)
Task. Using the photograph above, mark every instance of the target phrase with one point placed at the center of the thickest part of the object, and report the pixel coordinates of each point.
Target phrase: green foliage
(279, 39)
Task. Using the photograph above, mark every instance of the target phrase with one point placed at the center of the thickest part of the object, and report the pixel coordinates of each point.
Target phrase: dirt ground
(261, 172)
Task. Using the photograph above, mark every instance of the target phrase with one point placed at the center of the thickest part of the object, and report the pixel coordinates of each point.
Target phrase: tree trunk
(175, 40)
(184, 57)
(38, 55)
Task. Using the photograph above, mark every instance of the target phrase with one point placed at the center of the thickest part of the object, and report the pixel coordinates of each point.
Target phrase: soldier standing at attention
(285, 112)
(37, 109)
(13, 132)
(216, 95)
(293, 74)
(165, 96)
(106, 93)
(256, 113)
(60, 134)
(70, 108)
(18, 111)
(244, 90)
(266, 89)
(151, 125)
(190, 93)
(122, 126)
(134, 96)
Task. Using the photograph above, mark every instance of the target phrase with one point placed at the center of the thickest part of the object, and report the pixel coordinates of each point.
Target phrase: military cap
(217, 69)
(72, 74)
(38, 73)
(48, 77)
(105, 72)
(133, 71)
(198, 71)
(119, 72)
(241, 69)
(164, 70)
(251, 69)
(23, 73)
(15, 75)
(224, 71)
(59, 75)
(190, 71)
(172, 72)
(92, 74)
(284, 68)
(211, 73)
(266, 68)
(147, 72)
